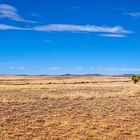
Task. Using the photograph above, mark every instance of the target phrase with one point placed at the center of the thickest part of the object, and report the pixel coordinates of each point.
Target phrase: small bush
(135, 79)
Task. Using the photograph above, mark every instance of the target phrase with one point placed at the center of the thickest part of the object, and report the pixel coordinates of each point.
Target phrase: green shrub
(135, 79)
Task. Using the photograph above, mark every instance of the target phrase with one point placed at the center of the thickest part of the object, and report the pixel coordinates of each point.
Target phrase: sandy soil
(69, 108)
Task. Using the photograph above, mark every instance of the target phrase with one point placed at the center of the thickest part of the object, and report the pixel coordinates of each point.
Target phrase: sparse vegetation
(69, 107)
(135, 79)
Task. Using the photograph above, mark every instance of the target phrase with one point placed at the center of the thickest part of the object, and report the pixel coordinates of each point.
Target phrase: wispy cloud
(133, 14)
(10, 12)
(113, 35)
(116, 31)
(80, 28)
(9, 27)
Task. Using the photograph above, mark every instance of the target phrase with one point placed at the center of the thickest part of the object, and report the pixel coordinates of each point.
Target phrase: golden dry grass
(69, 108)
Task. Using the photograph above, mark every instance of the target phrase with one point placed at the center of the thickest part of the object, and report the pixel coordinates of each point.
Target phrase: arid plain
(69, 108)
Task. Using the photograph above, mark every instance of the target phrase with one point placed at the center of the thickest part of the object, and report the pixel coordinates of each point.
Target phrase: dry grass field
(69, 108)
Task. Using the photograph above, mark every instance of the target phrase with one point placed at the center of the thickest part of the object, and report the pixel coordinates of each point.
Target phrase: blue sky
(69, 36)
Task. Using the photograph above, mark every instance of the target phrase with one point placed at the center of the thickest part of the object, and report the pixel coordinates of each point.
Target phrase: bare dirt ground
(69, 108)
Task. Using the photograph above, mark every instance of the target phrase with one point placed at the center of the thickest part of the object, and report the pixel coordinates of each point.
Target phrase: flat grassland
(69, 108)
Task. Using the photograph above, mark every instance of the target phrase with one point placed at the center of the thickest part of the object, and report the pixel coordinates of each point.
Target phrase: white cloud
(10, 12)
(81, 28)
(113, 35)
(133, 14)
(115, 31)
(9, 27)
